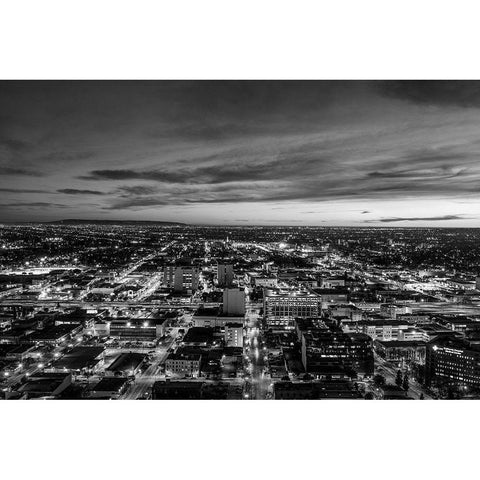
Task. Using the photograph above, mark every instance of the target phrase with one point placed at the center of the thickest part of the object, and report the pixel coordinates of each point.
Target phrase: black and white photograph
(254, 240)
(235, 237)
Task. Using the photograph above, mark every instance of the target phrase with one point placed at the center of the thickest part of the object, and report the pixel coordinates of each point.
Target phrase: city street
(257, 355)
(390, 373)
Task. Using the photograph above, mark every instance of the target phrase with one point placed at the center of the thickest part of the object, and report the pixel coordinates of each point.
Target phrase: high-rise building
(282, 308)
(225, 275)
(169, 275)
(186, 278)
(234, 301)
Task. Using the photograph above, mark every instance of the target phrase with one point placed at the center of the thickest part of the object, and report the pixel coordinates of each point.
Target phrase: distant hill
(75, 221)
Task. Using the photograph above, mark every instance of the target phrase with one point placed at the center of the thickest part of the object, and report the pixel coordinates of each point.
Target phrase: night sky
(292, 153)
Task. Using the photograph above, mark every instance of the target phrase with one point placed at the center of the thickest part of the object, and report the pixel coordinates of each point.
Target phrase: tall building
(234, 335)
(186, 278)
(234, 301)
(225, 275)
(169, 275)
(281, 309)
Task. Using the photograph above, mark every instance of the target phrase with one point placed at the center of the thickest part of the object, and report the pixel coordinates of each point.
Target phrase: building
(213, 317)
(183, 363)
(138, 329)
(332, 282)
(334, 389)
(453, 362)
(346, 312)
(126, 365)
(224, 275)
(16, 352)
(186, 278)
(280, 309)
(381, 329)
(80, 360)
(410, 351)
(261, 280)
(336, 354)
(54, 335)
(177, 390)
(45, 385)
(101, 328)
(198, 337)
(234, 335)
(109, 387)
(234, 301)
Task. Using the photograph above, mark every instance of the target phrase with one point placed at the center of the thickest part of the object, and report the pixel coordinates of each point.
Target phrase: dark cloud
(21, 190)
(299, 172)
(14, 145)
(126, 174)
(34, 205)
(138, 202)
(365, 211)
(74, 191)
(464, 93)
(128, 191)
(18, 171)
(417, 219)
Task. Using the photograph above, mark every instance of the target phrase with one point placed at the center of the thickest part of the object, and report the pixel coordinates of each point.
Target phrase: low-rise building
(80, 360)
(234, 335)
(45, 385)
(402, 350)
(183, 364)
(109, 387)
(126, 365)
(452, 361)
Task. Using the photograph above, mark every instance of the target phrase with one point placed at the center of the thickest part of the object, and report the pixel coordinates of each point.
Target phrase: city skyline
(354, 153)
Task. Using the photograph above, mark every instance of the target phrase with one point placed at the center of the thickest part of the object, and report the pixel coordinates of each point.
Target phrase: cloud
(139, 190)
(464, 93)
(21, 190)
(75, 191)
(141, 145)
(302, 169)
(16, 171)
(34, 205)
(417, 219)
(14, 144)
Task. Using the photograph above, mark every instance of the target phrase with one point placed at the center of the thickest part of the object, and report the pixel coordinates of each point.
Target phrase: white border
(235, 439)
(247, 39)
(253, 39)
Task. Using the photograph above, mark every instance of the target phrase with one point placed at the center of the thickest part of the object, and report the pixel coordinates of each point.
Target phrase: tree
(422, 396)
(379, 380)
(405, 381)
(399, 379)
